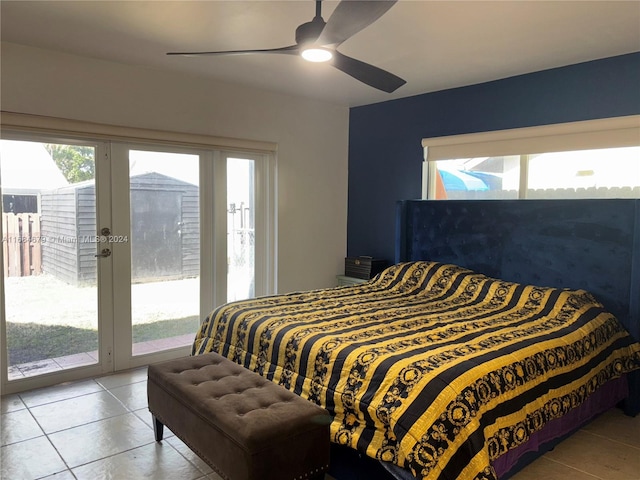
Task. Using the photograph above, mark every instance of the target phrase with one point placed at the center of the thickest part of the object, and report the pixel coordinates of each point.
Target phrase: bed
(475, 352)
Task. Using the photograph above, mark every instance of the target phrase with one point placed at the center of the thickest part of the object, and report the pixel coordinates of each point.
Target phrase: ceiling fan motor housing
(310, 31)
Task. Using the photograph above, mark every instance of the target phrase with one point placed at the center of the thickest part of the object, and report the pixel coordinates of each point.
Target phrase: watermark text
(66, 239)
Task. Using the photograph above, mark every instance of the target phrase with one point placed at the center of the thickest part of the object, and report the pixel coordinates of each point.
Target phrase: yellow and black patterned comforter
(433, 367)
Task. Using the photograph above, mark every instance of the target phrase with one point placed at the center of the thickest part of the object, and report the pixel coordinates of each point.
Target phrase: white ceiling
(433, 45)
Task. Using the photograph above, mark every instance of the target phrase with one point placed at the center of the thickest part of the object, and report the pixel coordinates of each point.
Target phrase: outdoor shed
(164, 230)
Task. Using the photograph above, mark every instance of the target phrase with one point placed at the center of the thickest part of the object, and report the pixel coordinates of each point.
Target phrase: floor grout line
(60, 455)
(573, 468)
(112, 455)
(62, 399)
(600, 435)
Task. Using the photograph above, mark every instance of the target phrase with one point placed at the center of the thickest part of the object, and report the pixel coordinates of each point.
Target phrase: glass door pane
(241, 232)
(165, 250)
(49, 246)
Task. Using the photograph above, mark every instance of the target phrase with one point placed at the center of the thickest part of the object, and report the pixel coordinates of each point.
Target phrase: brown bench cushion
(243, 425)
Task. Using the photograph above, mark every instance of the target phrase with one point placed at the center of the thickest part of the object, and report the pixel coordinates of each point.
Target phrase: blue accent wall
(385, 152)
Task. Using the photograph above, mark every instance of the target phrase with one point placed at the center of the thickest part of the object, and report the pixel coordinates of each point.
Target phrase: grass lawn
(30, 342)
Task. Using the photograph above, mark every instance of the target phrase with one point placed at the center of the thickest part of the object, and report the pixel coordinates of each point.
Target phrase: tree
(77, 163)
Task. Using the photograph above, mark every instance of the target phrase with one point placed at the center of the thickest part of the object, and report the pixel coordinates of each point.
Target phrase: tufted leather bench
(244, 426)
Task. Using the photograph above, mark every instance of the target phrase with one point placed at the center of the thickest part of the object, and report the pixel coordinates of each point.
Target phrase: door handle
(104, 253)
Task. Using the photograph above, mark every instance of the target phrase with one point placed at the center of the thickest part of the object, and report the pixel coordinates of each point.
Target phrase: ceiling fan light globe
(316, 55)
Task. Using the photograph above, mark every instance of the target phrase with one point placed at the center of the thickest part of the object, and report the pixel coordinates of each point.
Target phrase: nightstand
(343, 280)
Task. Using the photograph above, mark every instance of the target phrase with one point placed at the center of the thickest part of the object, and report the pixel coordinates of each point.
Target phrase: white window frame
(561, 137)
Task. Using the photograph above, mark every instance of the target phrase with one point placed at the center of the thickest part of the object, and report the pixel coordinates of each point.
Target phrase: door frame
(103, 275)
(121, 208)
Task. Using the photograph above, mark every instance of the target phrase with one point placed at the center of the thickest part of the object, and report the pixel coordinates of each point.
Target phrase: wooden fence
(21, 244)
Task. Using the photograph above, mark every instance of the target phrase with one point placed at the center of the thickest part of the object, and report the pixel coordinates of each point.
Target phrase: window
(593, 159)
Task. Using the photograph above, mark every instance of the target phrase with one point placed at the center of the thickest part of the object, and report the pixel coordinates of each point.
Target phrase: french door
(156, 251)
(113, 253)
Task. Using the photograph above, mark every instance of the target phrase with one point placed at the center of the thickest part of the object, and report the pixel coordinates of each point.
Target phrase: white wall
(312, 138)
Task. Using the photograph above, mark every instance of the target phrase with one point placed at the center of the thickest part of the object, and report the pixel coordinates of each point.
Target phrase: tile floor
(101, 429)
(91, 429)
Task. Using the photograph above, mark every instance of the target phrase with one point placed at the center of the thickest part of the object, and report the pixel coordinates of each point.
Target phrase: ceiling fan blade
(291, 49)
(351, 16)
(372, 76)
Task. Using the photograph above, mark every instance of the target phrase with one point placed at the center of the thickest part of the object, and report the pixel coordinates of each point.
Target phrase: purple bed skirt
(599, 402)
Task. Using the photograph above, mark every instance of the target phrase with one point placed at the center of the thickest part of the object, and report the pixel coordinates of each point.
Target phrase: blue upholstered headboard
(588, 244)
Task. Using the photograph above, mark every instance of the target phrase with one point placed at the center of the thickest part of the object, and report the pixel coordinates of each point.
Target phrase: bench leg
(158, 428)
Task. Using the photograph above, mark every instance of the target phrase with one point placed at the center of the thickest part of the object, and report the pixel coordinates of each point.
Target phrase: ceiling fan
(317, 41)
